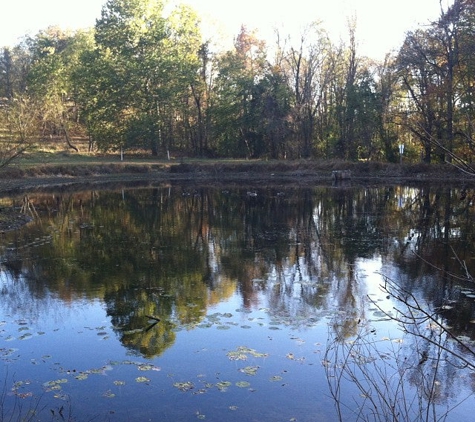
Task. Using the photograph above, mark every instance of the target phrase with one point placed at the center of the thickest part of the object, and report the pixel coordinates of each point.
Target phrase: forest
(145, 78)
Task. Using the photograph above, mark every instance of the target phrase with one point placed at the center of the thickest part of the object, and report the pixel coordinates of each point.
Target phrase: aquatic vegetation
(184, 386)
(243, 384)
(243, 352)
(249, 370)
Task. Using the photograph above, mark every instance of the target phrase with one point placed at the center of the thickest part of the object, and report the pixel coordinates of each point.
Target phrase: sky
(380, 24)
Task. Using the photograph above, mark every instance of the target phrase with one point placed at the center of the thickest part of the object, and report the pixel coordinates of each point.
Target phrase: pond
(176, 303)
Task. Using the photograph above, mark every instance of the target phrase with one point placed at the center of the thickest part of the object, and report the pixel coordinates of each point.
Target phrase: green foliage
(145, 78)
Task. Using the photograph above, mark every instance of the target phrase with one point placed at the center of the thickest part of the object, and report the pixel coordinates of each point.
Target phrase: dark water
(177, 304)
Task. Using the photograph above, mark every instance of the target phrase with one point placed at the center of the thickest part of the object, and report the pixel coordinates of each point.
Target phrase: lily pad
(142, 379)
(243, 384)
(184, 386)
(249, 370)
(223, 385)
(147, 367)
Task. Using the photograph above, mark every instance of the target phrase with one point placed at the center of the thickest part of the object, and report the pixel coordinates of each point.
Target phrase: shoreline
(301, 173)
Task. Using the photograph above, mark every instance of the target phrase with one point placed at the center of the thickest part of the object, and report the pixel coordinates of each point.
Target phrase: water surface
(177, 303)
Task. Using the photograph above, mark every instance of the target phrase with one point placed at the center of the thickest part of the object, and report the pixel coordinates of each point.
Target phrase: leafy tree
(235, 104)
(435, 67)
(141, 72)
(54, 56)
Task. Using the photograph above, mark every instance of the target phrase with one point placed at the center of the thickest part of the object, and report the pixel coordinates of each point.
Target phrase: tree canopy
(145, 78)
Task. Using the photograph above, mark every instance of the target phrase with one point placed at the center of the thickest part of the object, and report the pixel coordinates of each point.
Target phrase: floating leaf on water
(223, 385)
(236, 355)
(227, 315)
(17, 385)
(233, 408)
(55, 382)
(184, 386)
(246, 326)
(249, 370)
(274, 328)
(200, 416)
(7, 352)
(109, 394)
(117, 382)
(24, 395)
(147, 367)
(81, 376)
(26, 336)
(142, 379)
(102, 333)
(223, 327)
(243, 384)
(275, 378)
(61, 396)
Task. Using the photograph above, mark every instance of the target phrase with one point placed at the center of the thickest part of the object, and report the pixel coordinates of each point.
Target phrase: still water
(168, 303)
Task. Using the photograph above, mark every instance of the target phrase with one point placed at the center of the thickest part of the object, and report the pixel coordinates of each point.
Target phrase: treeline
(144, 78)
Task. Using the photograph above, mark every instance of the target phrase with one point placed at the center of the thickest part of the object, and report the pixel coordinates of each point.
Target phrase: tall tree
(142, 70)
(306, 65)
(235, 103)
(55, 55)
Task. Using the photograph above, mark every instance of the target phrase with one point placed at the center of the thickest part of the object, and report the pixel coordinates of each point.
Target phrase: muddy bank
(250, 173)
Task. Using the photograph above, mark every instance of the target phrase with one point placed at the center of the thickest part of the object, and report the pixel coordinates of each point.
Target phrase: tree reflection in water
(176, 253)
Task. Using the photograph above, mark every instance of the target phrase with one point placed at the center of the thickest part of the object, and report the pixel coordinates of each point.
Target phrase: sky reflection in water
(247, 295)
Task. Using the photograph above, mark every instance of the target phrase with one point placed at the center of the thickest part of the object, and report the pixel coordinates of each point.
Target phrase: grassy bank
(66, 168)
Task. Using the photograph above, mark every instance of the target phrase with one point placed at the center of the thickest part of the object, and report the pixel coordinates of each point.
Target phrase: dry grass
(48, 166)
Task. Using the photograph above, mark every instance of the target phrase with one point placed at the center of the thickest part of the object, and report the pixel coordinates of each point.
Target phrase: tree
(18, 122)
(307, 69)
(141, 73)
(235, 102)
(434, 67)
(54, 57)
